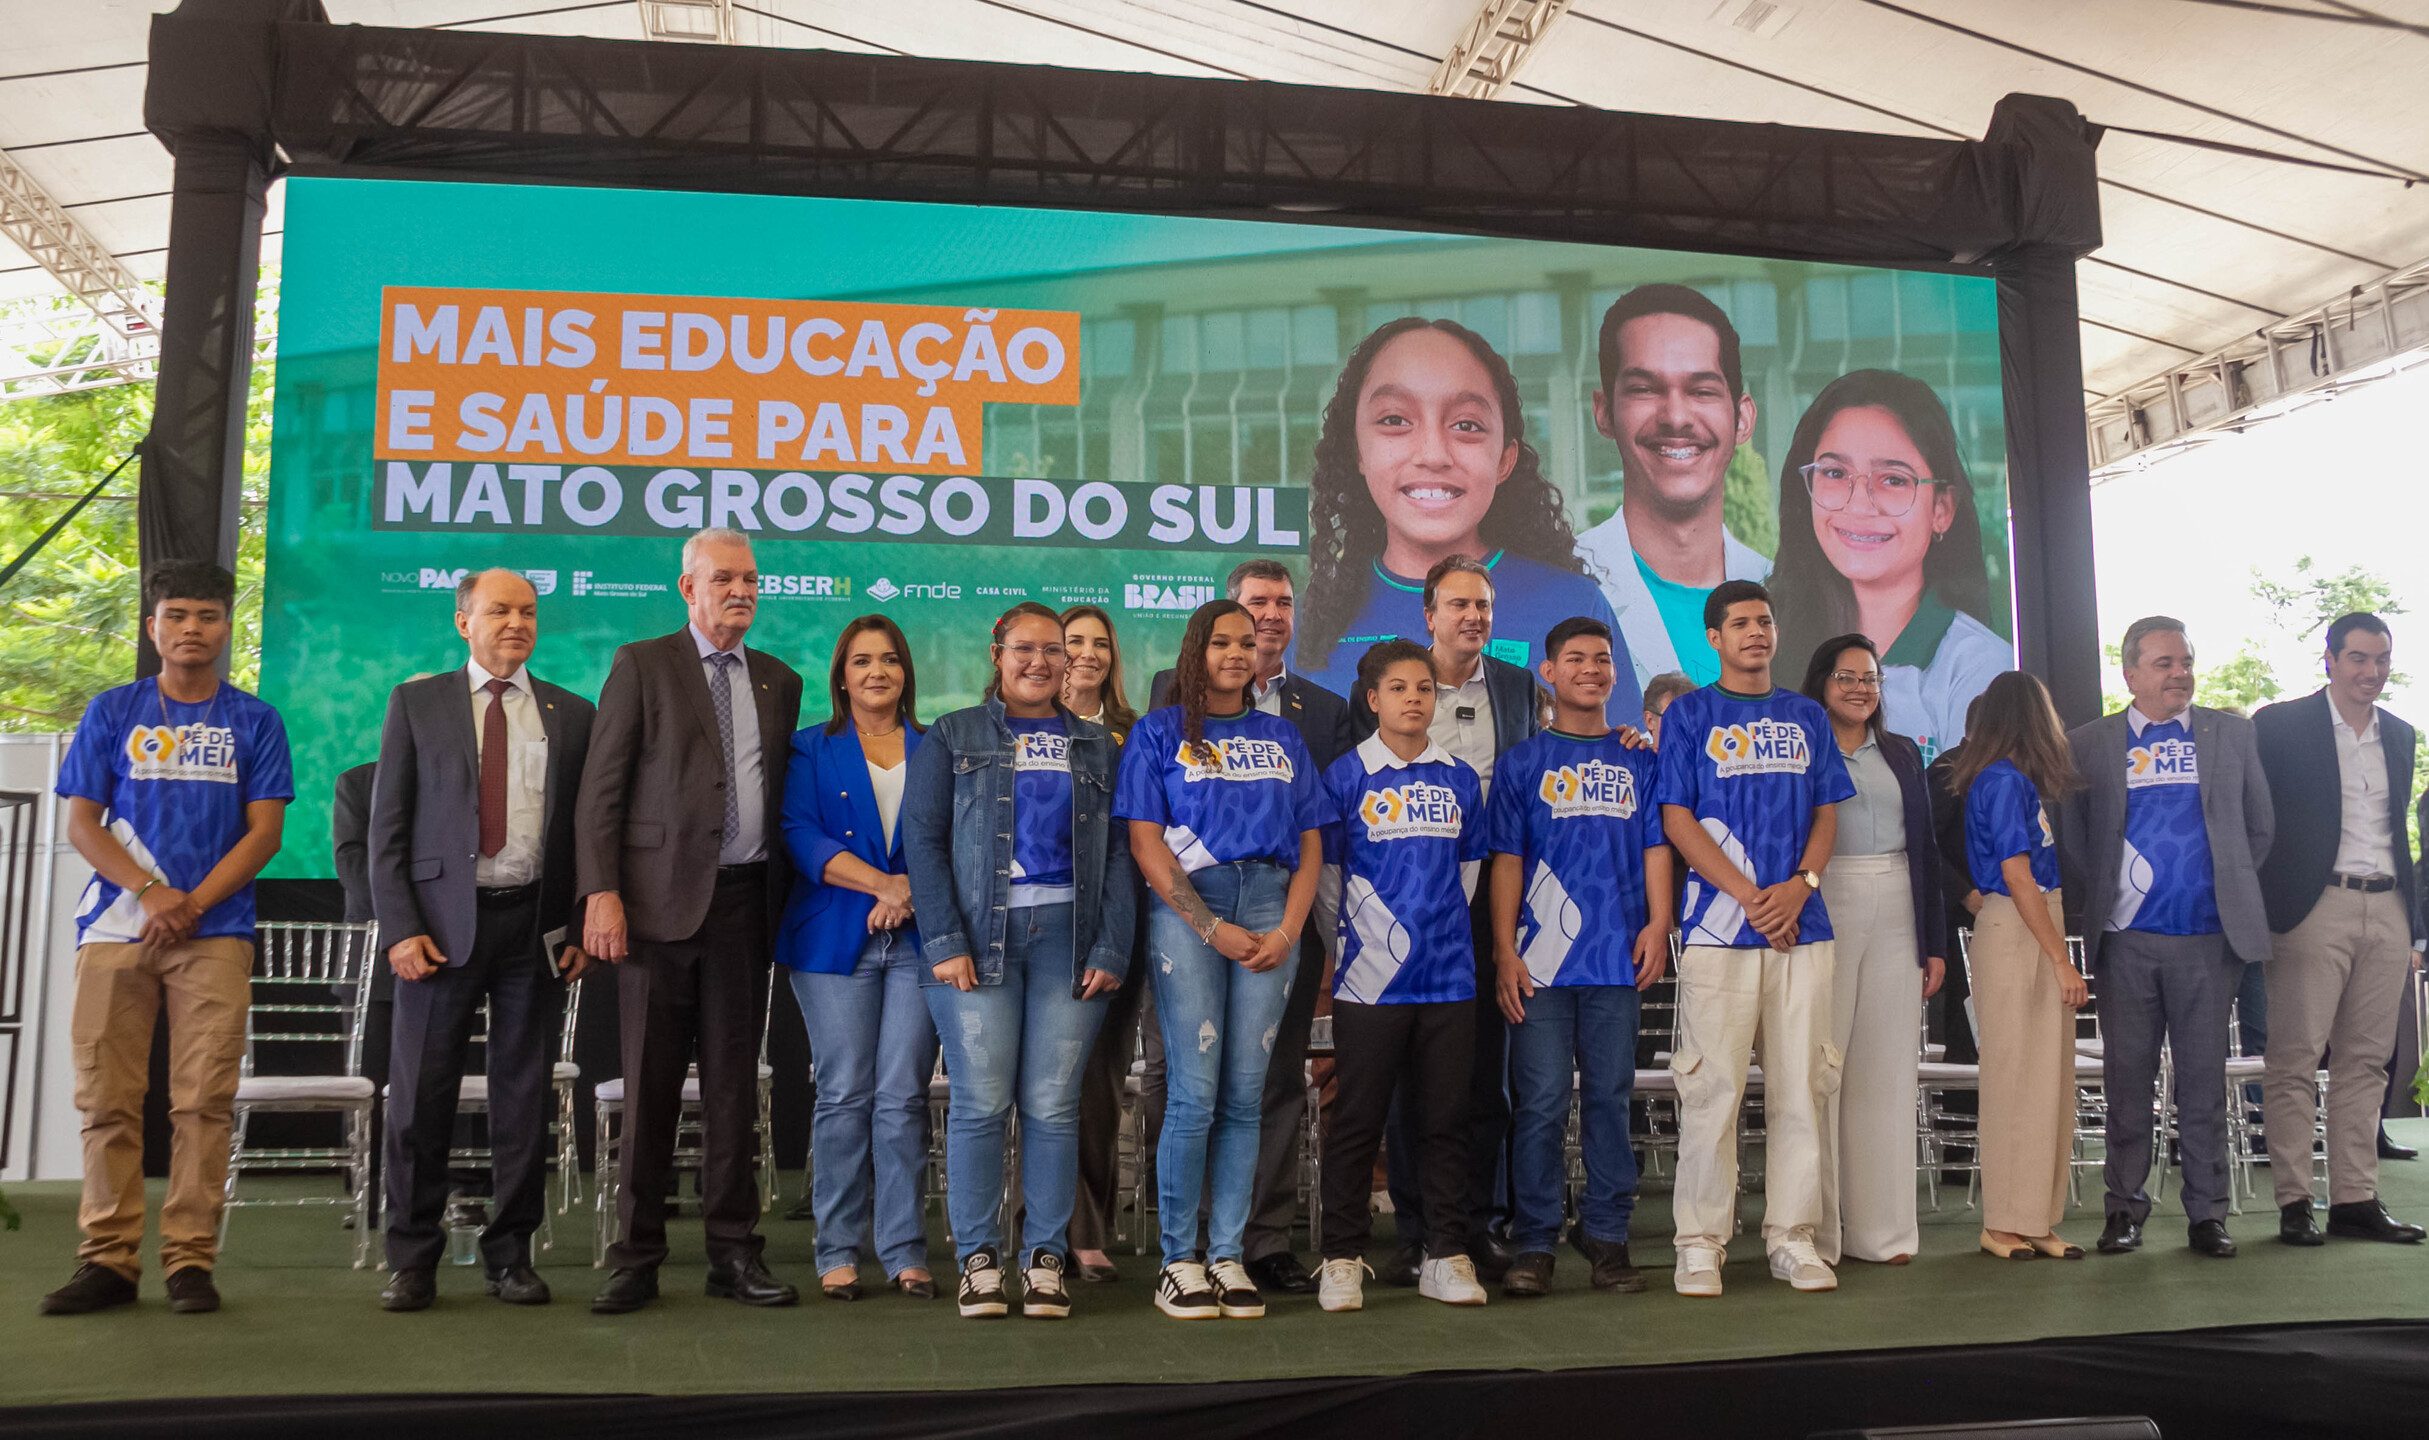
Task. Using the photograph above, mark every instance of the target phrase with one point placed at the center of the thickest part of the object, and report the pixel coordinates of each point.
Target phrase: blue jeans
(1027, 1037)
(872, 1049)
(1219, 1023)
(1591, 1028)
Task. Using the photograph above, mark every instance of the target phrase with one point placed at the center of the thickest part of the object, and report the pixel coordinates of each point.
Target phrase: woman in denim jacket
(852, 948)
(1023, 886)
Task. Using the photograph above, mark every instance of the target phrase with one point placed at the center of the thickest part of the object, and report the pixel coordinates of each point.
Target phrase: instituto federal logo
(1410, 810)
(1596, 787)
(1236, 758)
(1767, 746)
(2161, 762)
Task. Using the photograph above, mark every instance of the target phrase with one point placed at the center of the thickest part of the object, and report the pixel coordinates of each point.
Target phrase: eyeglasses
(1856, 680)
(1026, 653)
(1893, 491)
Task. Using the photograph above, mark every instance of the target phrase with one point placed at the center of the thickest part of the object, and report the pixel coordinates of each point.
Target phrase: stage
(1897, 1342)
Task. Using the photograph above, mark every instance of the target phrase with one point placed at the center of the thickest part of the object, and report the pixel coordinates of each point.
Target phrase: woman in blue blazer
(1883, 894)
(852, 945)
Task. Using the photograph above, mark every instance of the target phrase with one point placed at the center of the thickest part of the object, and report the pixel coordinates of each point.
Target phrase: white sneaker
(1797, 1262)
(1451, 1281)
(1181, 1291)
(1699, 1269)
(1235, 1294)
(1341, 1285)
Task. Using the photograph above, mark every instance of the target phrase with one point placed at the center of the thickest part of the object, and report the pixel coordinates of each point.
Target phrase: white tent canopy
(2203, 246)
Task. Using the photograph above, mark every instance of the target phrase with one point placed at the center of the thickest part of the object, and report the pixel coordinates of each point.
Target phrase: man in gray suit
(471, 867)
(2171, 836)
(679, 855)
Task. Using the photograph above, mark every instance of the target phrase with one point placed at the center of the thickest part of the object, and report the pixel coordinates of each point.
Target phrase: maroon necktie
(493, 770)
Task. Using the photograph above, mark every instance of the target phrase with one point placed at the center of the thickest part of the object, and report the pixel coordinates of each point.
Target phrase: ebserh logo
(543, 582)
(881, 589)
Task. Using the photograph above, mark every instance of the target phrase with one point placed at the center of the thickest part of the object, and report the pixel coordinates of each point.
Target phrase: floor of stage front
(297, 1321)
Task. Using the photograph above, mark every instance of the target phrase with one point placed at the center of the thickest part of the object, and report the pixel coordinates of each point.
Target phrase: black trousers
(708, 990)
(432, 1031)
(1488, 1109)
(1423, 1052)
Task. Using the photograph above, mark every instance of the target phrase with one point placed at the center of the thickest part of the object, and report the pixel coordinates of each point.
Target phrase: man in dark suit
(2347, 916)
(2170, 834)
(1482, 707)
(1264, 588)
(677, 852)
(471, 866)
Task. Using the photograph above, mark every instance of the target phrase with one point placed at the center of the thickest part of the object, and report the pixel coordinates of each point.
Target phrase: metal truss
(82, 265)
(55, 346)
(2372, 332)
(1494, 47)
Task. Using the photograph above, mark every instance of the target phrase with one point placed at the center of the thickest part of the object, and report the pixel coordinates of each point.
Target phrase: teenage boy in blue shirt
(1750, 782)
(1581, 898)
(176, 790)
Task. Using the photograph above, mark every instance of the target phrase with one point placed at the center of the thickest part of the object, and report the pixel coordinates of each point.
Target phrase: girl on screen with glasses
(1878, 535)
(1423, 455)
(1023, 886)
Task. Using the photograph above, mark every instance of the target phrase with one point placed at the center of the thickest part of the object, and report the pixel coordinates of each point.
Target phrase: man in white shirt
(471, 869)
(2340, 894)
(1673, 399)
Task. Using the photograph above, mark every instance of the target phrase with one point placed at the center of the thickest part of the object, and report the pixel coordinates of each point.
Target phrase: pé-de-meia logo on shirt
(1766, 746)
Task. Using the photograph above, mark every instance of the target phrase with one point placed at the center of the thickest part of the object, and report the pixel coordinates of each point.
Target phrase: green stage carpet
(298, 1321)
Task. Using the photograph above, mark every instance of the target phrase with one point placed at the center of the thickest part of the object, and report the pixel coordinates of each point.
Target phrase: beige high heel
(2055, 1248)
(2007, 1252)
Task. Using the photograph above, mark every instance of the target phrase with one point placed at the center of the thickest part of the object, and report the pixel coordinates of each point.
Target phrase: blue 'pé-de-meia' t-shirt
(1247, 794)
(175, 780)
(1409, 840)
(1529, 598)
(2004, 817)
(1751, 769)
(1579, 814)
(2165, 885)
(1041, 808)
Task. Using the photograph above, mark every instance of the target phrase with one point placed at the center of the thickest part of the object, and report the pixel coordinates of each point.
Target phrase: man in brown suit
(678, 851)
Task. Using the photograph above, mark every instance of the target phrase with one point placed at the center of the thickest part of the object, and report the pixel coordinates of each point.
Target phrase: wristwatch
(1812, 878)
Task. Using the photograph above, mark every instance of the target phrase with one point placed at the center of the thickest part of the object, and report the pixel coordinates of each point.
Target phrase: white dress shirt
(2365, 843)
(1267, 694)
(1470, 739)
(518, 860)
(750, 777)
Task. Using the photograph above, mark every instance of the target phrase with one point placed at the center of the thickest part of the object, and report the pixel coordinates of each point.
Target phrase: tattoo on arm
(1183, 898)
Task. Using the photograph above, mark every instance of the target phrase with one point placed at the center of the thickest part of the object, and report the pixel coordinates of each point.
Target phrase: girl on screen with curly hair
(1423, 455)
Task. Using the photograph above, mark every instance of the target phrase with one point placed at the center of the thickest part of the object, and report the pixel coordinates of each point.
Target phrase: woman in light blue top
(853, 949)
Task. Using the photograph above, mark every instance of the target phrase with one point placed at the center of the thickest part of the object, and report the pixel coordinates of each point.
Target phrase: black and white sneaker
(1235, 1294)
(982, 1285)
(1182, 1291)
(1042, 1294)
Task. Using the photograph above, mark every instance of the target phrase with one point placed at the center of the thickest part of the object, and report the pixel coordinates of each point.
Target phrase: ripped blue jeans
(1219, 1024)
(1024, 1039)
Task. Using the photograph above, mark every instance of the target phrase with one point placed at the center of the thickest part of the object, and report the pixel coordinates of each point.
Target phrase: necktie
(721, 695)
(493, 770)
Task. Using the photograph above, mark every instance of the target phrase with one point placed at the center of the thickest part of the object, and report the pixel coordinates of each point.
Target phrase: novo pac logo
(1594, 787)
(2161, 762)
(1766, 746)
(1410, 810)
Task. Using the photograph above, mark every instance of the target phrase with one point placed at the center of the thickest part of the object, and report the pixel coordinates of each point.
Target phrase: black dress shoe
(2296, 1227)
(93, 1287)
(2209, 1237)
(1529, 1275)
(191, 1291)
(750, 1283)
(2121, 1236)
(517, 1285)
(1096, 1274)
(2369, 1220)
(848, 1290)
(2389, 1150)
(1401, 1269)
(1281, 1271)
(1613, 1270)
(626, 1291)
(409, 1290)
(916, 1289)
(1493, 1256)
